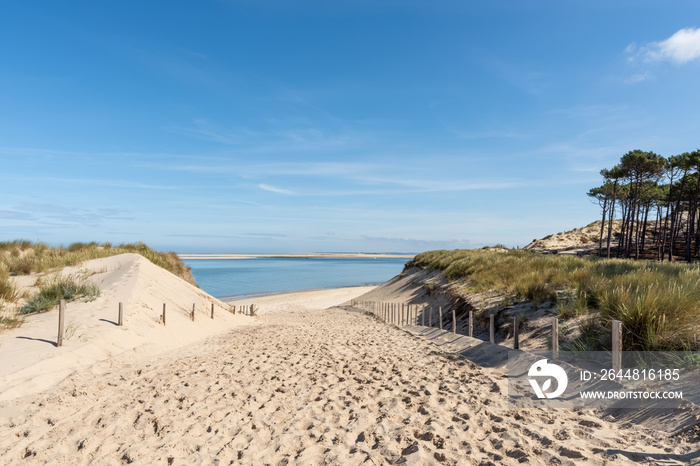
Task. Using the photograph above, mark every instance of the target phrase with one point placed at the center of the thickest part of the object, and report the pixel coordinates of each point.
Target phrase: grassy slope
(25, 257)
(658, 303)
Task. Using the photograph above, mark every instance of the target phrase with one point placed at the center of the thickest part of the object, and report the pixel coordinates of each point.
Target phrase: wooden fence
(402, 314)
(245, 309)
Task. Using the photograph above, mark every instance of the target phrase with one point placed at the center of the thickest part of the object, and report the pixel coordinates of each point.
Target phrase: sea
(231, 279)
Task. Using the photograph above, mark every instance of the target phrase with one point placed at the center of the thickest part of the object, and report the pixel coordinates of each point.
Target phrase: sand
(30, 360)
(311, 382)
(311, 255)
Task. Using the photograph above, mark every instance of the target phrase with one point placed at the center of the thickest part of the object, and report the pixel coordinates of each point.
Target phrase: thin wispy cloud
(59, 215)
(102, 182)
(274, 189)
(639, 77)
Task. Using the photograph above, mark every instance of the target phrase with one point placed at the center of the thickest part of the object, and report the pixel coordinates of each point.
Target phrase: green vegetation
(9, 321)
(68, 287)
(658, 200)
(24, 257)
(658, 303)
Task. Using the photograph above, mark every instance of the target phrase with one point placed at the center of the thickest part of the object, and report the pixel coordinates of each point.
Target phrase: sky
(274, 126)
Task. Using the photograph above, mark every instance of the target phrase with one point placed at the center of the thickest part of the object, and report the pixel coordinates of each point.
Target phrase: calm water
(242, 277)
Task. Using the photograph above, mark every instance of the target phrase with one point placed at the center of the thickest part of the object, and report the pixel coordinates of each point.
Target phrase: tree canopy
(655, 200)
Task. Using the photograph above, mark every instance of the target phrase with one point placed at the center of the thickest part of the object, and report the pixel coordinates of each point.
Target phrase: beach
(311, 255)
(308, 380)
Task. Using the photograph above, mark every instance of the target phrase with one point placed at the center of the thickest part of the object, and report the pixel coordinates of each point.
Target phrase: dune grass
(658, 303)
(23, 257)
(68, 287)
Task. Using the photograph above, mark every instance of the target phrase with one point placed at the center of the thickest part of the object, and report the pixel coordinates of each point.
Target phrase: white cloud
(682, 47)
(273, 189)
(639, 77)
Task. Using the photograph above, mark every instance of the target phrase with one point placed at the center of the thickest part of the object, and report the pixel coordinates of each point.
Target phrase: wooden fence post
(440, 314)
(163, 313)
(555, 338)
(61, 319)
(616, 345)
(212, 310)
(120, 319)
(430, 317)
(471, 323)
(492, 329)
(516, 332)
(193, 304)
(422, 316)
(454, 321)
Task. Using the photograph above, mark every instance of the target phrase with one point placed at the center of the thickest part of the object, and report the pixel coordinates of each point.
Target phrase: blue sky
(278, 126)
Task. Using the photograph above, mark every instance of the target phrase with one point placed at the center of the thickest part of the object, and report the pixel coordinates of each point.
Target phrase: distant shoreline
(313, 255)
(281, 294)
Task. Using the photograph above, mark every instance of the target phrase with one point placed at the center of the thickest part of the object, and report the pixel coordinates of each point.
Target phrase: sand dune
(309, 384)
(31, 361)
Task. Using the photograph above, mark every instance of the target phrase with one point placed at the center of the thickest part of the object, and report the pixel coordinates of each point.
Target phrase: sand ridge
(31, 362)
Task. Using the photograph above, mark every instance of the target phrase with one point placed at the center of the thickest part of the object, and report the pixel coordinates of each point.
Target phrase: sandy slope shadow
(53, 343)
(675, 420)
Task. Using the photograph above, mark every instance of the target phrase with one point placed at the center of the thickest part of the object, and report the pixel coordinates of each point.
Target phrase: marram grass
(658, 303)
(23, 257)
(68, 287)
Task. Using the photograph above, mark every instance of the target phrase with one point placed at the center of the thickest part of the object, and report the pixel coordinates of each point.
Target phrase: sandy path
(308, 387)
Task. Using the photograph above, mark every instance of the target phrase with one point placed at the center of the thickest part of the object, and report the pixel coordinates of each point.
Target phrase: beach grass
(23, 257)
(658, 303)
(56, 288)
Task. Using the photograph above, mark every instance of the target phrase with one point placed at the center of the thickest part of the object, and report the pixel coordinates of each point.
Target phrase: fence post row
(407, 314)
